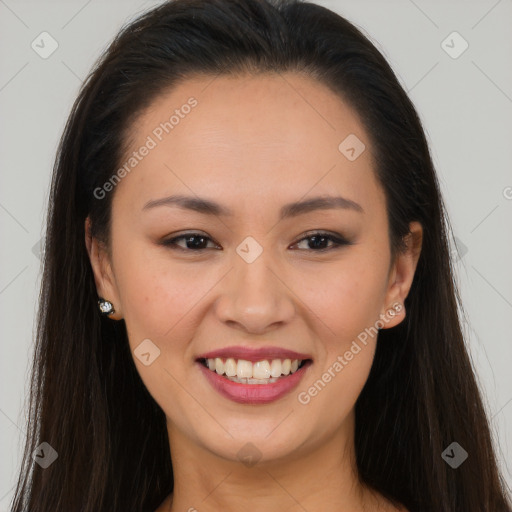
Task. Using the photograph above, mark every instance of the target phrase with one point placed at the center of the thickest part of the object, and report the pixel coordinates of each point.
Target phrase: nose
(255, 297)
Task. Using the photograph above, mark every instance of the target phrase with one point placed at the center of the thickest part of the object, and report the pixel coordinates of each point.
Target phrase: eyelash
(338, 241)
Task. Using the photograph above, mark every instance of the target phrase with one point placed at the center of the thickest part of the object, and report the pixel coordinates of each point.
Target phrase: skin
(254, 143)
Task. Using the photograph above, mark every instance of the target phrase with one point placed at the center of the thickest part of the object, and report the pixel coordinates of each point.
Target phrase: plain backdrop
(464, 99)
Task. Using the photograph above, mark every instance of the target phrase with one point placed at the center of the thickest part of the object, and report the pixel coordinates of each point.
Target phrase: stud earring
(397, 307)
(106, 307)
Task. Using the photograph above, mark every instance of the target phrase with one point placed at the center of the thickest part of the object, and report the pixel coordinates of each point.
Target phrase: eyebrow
(208, 207)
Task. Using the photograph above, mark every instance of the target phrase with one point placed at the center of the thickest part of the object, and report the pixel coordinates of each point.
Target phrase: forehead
(263, 135)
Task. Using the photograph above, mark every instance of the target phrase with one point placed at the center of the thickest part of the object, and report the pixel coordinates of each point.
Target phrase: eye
(316, 241)
(194, 242)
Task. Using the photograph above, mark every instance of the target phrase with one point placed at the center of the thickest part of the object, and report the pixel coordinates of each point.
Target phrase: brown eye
(194, 242)
(317, 242)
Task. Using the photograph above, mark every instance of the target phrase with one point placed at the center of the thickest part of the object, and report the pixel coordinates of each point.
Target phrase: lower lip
(254, 393)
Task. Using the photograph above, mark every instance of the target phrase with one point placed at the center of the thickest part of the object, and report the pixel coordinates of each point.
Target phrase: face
(250, 278)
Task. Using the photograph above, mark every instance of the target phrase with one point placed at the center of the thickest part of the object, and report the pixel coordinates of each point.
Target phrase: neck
(320, 476)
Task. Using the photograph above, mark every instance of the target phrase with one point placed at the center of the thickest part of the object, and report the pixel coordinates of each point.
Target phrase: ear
(102, 270)
(401, 277)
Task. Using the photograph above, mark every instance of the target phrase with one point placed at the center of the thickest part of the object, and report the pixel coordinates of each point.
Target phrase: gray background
(465, 104)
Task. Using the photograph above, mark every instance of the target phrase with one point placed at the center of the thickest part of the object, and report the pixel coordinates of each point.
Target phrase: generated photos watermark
(305, 397)
(157, 135)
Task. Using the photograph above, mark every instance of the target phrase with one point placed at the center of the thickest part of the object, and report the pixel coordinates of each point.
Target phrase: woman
(247, 299)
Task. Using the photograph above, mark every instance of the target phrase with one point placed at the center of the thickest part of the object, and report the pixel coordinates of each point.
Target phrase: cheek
(347, 296)
(328, 397)
(349, 307)
(158, 300)
(156, 294)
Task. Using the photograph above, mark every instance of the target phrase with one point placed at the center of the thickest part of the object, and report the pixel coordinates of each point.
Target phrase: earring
(397, 307)
(106, 307)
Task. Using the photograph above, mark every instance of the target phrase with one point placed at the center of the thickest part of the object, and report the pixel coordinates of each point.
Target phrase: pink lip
(254, 354)
(254, 393)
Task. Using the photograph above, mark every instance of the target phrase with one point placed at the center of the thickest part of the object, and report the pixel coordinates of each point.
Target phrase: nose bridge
(255, 278)
(255, 297)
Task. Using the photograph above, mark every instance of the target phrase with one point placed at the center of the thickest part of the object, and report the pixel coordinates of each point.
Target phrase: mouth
(253, 382)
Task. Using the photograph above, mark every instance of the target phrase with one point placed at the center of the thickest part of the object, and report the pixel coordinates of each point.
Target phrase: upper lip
(254, 354)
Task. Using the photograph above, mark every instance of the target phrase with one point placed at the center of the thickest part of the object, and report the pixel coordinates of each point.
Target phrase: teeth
(275, 368)
(253, 381)
(219, 365)
(261, 372)
(230, 367)
(244, 369)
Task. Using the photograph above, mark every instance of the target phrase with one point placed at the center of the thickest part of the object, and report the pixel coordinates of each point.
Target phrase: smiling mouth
(266, 371)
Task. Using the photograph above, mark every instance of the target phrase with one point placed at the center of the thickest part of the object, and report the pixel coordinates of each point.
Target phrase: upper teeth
(260, 370)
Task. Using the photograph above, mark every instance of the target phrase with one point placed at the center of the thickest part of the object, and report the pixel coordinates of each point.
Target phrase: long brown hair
(87, 399)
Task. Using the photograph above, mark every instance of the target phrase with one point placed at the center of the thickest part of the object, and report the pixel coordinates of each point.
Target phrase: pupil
(195, 245)
(317, 238)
